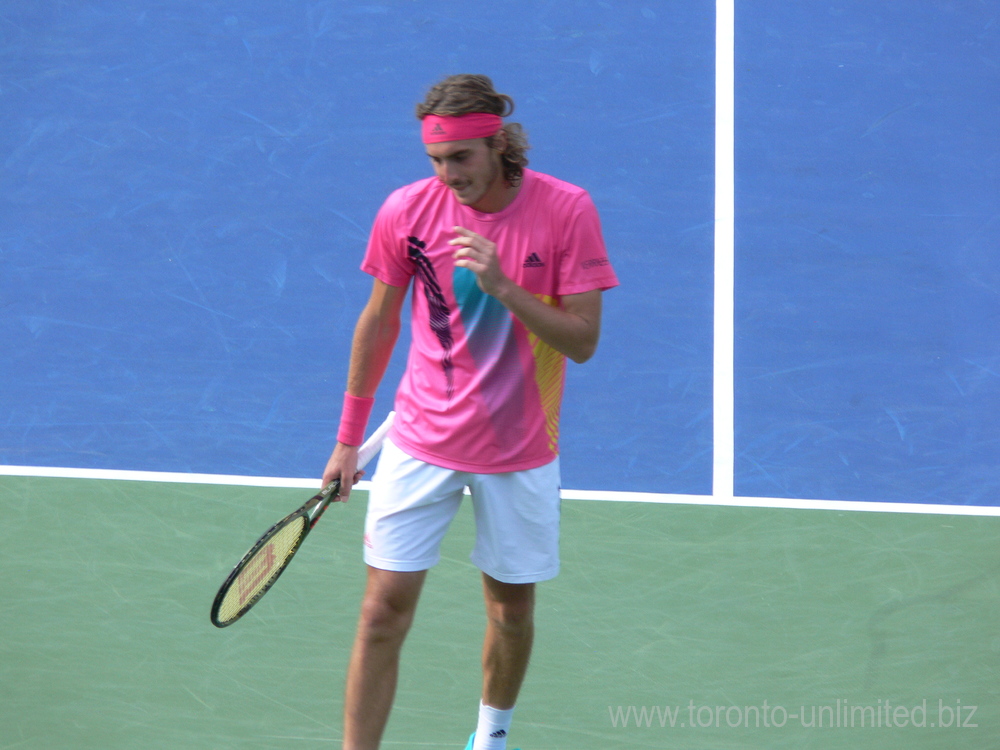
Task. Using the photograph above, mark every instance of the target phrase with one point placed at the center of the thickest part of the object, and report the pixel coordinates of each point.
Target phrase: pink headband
(437, 129)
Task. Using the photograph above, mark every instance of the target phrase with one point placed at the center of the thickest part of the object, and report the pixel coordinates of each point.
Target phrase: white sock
(494, 724)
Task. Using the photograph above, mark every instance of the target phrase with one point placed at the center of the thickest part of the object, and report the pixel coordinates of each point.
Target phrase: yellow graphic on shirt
(550, 366)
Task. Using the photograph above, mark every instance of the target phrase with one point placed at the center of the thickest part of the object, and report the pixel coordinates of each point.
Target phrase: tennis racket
(268, 558)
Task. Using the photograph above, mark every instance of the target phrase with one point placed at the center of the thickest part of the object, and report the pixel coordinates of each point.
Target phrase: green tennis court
(671, 626)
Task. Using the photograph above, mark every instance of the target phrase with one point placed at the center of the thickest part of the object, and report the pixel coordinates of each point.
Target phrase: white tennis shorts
(412, 503)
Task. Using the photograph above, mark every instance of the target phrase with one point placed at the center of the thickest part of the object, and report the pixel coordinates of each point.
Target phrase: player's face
(472, 170)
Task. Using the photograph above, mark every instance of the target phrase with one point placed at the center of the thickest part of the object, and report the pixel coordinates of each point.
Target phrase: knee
(513, 617)
(384, 620)
(386, 615)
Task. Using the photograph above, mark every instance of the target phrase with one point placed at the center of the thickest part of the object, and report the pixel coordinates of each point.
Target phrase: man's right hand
(343, 463)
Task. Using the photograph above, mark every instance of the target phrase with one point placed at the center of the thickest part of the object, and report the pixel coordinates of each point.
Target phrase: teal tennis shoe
(472, 738)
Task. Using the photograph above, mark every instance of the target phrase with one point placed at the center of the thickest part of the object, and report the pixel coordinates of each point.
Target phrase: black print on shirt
(436, 304)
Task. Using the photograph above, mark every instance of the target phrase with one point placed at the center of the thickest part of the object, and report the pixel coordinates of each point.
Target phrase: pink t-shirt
(480, 392)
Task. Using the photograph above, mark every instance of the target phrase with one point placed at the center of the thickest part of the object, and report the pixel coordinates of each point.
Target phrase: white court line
(863, 506)
(176, 477)
(567, 494)
(723, 429)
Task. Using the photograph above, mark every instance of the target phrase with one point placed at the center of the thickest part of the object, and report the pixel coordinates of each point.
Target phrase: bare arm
(573, 329)
(374, 339)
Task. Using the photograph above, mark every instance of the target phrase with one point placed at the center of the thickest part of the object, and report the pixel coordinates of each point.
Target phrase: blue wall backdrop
(188, 186)
(868, 251)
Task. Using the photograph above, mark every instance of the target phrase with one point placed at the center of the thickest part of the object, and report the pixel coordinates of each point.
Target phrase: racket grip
(374, 443)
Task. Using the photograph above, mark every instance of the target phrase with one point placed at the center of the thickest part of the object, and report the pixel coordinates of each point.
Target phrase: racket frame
(311, 510)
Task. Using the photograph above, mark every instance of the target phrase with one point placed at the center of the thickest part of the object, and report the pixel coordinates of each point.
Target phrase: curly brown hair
(467, 93)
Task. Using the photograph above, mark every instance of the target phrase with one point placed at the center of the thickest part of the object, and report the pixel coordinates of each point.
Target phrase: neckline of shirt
(527, 181)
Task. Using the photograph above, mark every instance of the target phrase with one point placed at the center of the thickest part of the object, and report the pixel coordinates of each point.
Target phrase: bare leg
(387, 611)
(510, 631)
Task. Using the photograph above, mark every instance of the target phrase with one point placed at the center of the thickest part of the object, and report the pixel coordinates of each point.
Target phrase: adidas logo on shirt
(533, 261)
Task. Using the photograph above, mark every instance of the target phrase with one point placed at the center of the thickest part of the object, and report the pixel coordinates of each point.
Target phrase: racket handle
(365, 454)
(374, 443)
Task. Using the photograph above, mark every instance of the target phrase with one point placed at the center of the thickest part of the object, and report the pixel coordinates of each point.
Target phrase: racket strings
(260, 570)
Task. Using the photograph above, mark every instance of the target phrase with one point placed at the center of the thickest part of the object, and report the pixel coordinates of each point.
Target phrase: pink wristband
(354, 419)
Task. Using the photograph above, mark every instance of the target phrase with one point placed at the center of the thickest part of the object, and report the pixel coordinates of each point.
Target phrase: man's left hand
(479, 255)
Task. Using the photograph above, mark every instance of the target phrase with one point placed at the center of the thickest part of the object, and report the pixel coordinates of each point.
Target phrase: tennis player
(508, 266)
